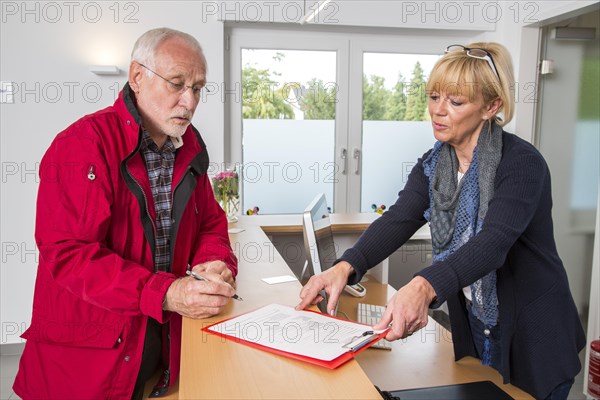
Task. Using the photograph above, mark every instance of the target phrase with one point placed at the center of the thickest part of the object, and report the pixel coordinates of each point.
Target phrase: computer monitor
(320, 248)
(318, 242)
(318, 238)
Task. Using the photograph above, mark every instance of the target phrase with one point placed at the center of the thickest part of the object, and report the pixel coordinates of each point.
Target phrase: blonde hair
(457, 73)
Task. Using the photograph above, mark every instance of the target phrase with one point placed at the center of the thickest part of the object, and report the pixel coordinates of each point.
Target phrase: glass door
(568, 136)
(396, 128)
(288, 128)
(340, 113)
(389, 123)
(289, 123)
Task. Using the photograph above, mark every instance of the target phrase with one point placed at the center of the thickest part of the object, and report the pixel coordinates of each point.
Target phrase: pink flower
(225, 174)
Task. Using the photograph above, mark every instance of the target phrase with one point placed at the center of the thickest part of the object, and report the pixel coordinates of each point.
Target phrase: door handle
(356, 156)
(344, 157)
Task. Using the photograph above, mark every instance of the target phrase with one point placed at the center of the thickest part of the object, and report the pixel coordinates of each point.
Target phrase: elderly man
(124, 209)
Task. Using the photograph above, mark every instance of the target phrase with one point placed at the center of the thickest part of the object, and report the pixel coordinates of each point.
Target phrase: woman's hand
(332, 281)
(407, 311)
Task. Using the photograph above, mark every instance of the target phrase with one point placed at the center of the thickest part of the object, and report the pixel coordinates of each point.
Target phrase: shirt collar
(177, 141)
(170, 146)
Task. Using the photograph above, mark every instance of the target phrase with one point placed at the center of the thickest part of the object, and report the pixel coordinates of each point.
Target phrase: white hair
(145, 47)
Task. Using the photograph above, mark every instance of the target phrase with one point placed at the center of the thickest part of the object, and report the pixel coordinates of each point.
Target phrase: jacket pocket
(75, 334)
(90, 195)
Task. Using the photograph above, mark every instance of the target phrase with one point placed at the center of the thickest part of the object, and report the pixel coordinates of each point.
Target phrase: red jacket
(96, 285)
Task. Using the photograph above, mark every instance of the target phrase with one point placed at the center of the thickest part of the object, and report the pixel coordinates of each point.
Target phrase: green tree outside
(261, 97)
(396, 109)
(376, 98)
(416, 103)
(318, 100)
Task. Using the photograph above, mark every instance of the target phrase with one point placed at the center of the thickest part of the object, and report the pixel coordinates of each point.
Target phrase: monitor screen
(318, 238)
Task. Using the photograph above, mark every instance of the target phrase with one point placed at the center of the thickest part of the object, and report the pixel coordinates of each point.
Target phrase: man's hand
(198, 299)
(408, 310)
(332, 281)
(216, 267)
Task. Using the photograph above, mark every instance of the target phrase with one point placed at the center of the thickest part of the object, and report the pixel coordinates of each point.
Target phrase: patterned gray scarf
(457, 210)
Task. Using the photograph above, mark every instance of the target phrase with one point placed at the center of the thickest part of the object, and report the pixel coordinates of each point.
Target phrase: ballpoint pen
(201, 278)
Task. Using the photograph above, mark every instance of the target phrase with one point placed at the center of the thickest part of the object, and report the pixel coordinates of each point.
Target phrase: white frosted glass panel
(286, 163)
(586, 168)
(390, 150)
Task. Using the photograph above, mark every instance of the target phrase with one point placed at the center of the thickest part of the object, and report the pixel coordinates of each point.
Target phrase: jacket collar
(130, 104)
(193, 153)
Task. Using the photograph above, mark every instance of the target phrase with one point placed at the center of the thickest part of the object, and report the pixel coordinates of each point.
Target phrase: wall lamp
(105, 69)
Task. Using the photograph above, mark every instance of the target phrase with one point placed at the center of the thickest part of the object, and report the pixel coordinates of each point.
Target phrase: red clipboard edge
(333, 364)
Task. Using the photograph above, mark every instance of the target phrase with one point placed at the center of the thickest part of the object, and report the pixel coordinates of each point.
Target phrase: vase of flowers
(225, 185)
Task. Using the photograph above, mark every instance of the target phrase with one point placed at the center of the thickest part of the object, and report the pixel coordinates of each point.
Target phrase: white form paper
(279, 279)
(301, 332)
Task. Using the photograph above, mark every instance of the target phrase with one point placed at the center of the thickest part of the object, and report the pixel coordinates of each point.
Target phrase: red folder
(360, 346)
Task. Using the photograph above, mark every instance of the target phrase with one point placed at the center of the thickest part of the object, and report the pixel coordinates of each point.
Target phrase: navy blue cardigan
(540, 329)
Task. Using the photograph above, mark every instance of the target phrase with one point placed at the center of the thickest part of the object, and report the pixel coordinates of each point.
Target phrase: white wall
(46, 48)
(49, 62)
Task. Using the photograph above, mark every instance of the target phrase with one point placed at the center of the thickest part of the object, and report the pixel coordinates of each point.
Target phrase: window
(396, 128)
(338, 113)
(288, 128)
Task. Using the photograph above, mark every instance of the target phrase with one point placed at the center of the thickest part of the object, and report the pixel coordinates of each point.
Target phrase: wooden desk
(340, 223)
(214, 368)
(424, 359)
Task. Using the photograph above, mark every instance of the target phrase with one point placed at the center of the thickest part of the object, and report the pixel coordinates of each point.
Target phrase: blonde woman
(486, 195)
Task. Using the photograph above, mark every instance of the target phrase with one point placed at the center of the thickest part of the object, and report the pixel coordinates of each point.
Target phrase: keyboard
(370, 314)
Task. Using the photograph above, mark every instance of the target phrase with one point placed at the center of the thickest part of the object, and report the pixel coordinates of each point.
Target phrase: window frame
(350, 46)
(241, 38)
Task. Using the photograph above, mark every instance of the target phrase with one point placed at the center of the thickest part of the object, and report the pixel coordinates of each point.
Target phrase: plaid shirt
(159, 164)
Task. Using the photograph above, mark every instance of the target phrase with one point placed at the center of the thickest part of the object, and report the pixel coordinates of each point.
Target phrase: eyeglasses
(481, 54)
(178, 88)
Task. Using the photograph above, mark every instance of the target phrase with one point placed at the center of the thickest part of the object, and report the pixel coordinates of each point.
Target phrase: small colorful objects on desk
(253, 211)
(378, 210)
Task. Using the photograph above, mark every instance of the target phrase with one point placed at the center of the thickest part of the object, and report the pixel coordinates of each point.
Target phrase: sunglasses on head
(474, 52)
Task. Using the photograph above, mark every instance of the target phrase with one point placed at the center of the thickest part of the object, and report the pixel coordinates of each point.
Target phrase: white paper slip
(279, 279)
(235, 230)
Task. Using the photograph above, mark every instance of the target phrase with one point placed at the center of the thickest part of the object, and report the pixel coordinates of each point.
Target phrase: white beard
(177, 131)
